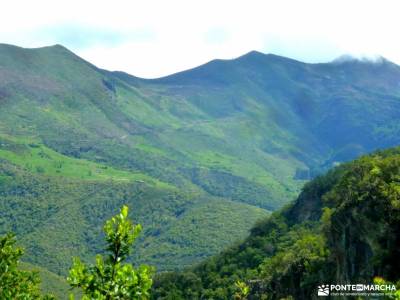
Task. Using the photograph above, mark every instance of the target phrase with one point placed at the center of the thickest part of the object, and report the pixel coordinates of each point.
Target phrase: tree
(15, 283)
(243, 290)
(110, 278)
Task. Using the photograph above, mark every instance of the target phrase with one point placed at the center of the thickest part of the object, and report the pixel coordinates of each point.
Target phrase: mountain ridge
(252, 54)
(199, 156)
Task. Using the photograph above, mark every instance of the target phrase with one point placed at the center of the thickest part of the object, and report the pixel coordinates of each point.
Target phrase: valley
(200, 156)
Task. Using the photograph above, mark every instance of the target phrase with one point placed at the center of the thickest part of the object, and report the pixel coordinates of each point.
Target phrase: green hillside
(343, 228)
(199, 156)
(56, 218)
(51, 283)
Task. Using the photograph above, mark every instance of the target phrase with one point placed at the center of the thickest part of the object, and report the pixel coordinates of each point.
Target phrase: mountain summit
(199, 155)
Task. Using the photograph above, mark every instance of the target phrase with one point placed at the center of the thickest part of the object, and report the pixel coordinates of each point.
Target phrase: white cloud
(153, 38)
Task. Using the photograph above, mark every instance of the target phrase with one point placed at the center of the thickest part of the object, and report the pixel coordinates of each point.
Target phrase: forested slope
(343, 228)
(199, 156)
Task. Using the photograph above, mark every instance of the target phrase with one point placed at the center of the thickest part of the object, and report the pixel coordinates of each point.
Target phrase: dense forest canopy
(200, 156)
(343, 228)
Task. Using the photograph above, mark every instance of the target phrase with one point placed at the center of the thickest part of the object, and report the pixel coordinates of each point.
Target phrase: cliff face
(364, 226)
(355, 210)
(210, 149)
(344, 228)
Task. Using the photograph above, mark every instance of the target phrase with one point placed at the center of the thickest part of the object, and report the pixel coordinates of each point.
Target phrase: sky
(151, 38)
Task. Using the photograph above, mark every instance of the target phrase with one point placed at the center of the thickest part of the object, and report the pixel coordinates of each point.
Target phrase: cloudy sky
(151, 38)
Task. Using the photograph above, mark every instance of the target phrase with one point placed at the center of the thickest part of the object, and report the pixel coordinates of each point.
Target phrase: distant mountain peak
(348, 58)
(5, 45)
(257, 55)
(254, 53)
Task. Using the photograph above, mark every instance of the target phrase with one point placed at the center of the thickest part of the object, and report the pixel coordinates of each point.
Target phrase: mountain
(344, 228)
(51, 283)
(199, 155)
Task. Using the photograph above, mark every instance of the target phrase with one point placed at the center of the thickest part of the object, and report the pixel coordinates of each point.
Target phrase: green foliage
(14, 283)
(344, 227)
(389, 296)
(111, 277)
(51, 283)
(56, 218)
(224, 140)
(177, 286)
(243, 290)
(296, 266)
(365, 218)
(40, 159)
